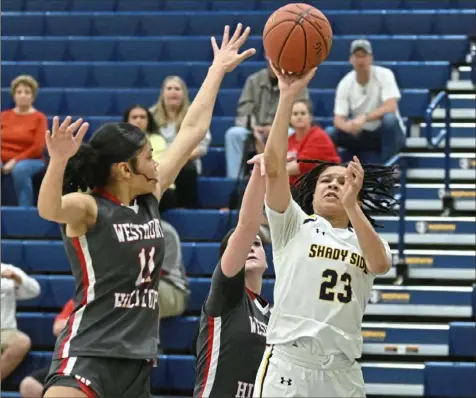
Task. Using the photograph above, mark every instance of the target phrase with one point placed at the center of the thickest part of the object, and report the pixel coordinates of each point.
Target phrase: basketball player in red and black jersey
(114, 239)
(232, 334)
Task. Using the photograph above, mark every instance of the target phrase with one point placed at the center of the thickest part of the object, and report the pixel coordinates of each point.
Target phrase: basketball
(297, 38)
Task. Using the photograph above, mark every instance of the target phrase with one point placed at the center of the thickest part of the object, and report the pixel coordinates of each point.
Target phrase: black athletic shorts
(100, 377)
(40, 375)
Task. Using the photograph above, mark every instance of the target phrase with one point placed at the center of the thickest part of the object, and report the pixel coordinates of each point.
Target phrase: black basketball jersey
(231, 339)
(116, 267)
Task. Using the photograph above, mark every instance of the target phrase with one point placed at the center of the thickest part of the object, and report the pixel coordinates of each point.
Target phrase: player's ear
(122, 170)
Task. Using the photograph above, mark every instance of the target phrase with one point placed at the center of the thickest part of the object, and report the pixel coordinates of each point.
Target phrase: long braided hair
(376, 194)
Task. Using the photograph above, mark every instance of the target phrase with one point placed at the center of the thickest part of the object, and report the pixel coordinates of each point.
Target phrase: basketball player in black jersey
(231, 339)
(114, 239)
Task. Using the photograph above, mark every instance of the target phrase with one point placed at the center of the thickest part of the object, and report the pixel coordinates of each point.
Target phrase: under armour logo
(321, 232)
(286, 381)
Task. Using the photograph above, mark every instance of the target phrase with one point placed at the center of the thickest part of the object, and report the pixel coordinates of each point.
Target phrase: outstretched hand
(258, 162)
(291, 83)
(61, 141)
(354, 179)
(227, 56)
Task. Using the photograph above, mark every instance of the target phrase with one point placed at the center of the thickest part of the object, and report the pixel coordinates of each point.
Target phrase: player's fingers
(226, 36)
(73, 127)
(355, 168)
(55, 125)
(254, 159)
(63, 126)
(276, 71)
(246, 54)
(214, 45)
(48, 136)
(82, 132)
(237, 33)
(358, 164)
(310, 74)
(242, 39)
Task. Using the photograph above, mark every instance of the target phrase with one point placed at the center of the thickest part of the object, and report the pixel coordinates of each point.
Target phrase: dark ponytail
(90, 167)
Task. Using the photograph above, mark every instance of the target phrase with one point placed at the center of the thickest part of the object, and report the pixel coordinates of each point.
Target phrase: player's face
(328, 188)
(301, 118)
(138, 117)
(173, 94)
(361, 60)
(146, 177)
(256, 260)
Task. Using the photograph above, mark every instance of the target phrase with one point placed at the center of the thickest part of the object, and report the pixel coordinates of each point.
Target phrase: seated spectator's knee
(20, 170)
(236, 133)
(21, 342)
(389, 120)
(30, 388)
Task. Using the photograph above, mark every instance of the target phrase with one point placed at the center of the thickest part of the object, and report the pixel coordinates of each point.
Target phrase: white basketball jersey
(322, 283)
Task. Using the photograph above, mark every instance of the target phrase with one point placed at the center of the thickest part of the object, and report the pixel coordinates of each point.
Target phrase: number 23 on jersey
(336, 287)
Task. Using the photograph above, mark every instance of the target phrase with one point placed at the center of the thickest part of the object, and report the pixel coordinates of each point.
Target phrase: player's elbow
(380, 267)
(48, 212)
(273, 164)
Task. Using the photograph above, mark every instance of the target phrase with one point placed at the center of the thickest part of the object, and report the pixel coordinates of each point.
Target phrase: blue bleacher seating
(93, 59)
(149, 23)
(197, 48)
(177, 334)
(385, 300)
(103, 101)
(200, 259)
(200, 225)
(430, 75)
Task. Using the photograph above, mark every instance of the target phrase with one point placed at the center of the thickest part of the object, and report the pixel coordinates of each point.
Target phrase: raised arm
(198, 118)
(62, 144)
(376, 253)
(278, 192)
(249, 221)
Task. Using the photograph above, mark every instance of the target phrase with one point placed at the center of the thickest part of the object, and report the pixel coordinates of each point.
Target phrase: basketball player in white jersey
(326, 255)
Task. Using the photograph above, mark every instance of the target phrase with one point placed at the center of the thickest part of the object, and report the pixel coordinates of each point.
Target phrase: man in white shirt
(15, 285)
(366, 116)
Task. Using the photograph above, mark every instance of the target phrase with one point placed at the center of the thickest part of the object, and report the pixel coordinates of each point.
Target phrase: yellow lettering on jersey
(359, 262)
(329, 253)
(333, 253)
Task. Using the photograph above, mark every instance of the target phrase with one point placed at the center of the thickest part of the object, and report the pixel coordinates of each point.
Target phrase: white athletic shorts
(290, 370)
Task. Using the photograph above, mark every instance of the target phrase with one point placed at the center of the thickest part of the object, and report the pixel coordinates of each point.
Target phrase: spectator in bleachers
(32, 385)
(139, 116)
(169, 112)
(174, 289)
(255, 113)
(366, 116)
(307, 142)
(15, 285)
(23, 131)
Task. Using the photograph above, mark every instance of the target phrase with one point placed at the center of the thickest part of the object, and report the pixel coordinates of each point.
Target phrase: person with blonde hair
(23, 138)
(169, 112)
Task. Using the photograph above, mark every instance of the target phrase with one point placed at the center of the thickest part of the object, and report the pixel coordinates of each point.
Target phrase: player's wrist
(352, 209)
(288, 95)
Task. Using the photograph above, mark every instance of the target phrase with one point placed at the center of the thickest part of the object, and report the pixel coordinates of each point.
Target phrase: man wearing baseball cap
(366, 116)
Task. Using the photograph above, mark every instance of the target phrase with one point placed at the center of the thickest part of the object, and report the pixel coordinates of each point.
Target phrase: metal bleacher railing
(401, 160)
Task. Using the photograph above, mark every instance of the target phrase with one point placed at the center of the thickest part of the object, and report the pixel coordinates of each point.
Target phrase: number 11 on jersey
(146, 264)
(328, 291)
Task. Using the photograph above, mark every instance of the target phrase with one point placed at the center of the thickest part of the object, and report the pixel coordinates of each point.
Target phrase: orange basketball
(297, 37)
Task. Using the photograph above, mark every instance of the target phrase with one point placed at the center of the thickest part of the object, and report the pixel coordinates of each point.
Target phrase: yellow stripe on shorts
(265, 370)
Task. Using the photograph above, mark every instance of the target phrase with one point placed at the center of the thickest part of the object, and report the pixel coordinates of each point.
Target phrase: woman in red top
(307, 142)
(23, 138)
